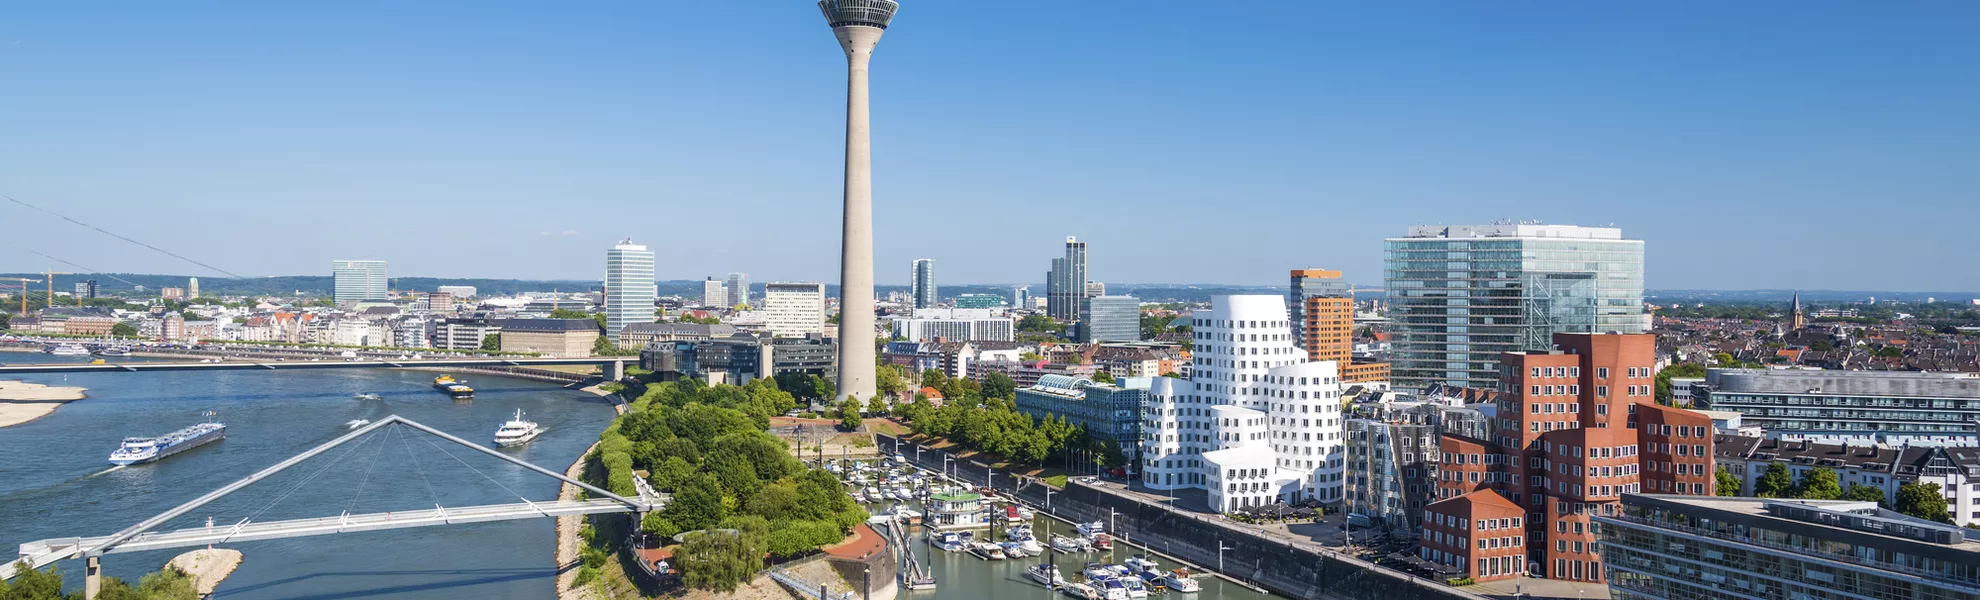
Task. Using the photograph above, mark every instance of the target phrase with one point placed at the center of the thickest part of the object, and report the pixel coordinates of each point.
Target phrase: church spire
(1797, 321)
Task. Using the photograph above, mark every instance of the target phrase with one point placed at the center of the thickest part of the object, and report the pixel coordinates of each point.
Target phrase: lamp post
(946, 459)
(1048, 499)
(1220, 555)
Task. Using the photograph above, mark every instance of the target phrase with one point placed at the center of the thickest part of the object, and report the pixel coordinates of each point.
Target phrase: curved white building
(1256, 423)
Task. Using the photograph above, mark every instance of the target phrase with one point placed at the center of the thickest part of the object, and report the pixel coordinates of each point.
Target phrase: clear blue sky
(1753, 144)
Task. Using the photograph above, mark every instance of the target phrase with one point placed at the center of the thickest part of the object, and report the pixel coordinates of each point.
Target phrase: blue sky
(1757, 144)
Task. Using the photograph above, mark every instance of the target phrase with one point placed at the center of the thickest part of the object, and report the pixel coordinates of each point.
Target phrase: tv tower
(857, 24)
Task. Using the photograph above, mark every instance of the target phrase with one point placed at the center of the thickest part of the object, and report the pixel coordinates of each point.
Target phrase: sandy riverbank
(207, 566)
(22, 402)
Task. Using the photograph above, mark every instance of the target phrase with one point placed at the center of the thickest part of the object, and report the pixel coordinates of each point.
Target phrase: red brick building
(1481, 531)
(1577, 427)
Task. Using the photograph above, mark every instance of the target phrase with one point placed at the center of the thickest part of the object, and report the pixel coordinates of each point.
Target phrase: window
(1602, 391)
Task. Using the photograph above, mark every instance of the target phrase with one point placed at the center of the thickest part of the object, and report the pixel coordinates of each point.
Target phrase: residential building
(714, 293)
(810, 355)
(1110, 319)
(1956, 470)
(192, 287)
(1459, 297)
(955, 324)
(1026, 373)
(1128, 361)
(356, 281)
(172, 293)
(738, 286)
(1065, 284)
(173, 327)
(979, 301)
(1256, 422)
(913, 356)
(412, 333)
(74, 320)
(458, 291)
(439, 302)
(554, 338)
(1323, 317)
(1480, 532)
(638, 335)
(628, 288)
(923, 284)
(1665, 547)
(464, 333)
(1392, 456)
(1109, 412)
(86, 289)
(1575, 429)
(794, 309)
(1855, 407)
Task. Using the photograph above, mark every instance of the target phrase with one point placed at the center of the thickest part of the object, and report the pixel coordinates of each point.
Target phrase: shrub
(585, 575)
(592, 557)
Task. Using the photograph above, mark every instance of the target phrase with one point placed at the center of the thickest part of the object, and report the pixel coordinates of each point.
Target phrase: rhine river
(54, 482)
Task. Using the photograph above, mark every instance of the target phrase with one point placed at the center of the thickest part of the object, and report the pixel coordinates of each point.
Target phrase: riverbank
(21, 402)
(207, 567)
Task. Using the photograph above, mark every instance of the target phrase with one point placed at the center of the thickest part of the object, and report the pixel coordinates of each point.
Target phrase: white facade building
(1256, 422)
(794, 309)
(458, 291)
(628, 287)
(956, 325)
(714, 293)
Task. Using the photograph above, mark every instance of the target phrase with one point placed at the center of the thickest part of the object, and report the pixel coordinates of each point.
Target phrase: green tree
(491, 342)
(697, 504)
(1890, 352)
(565, 313)
(823, 388)
(719, 561)
(6, 318)
(1103, 377)
(889, 381)
(999, 385)
(33, 584)
(849, 414)
(1819, 483)
(1922, 500)
(1728, 485)
(1724, 360)
(1681, 371)
(1821, 346)
(1864, 493)
(876, 405)
(1776, 482)
(123, 330)
(1040, 324)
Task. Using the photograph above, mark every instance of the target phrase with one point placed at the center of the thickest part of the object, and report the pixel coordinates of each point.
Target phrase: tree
(1774, 483)
(889, 381)
(123, 330)
(1819, 483)
(999, 385)
(1821, 346)
(1922, 500)
(1728, 485)
(1724, 360)
(849, 414)
(1103, 377)
(877, 405)
(1040, 324)
(565, 313)
(1890, 352)
(719, 561)
(1681, 371)
(1864, 493)
(823, 388)
(698, 503)
(491, 342)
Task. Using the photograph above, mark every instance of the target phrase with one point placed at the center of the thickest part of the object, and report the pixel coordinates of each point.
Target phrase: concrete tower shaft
(858, 25)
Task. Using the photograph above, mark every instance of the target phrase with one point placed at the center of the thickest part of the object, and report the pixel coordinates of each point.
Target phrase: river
(54, 481)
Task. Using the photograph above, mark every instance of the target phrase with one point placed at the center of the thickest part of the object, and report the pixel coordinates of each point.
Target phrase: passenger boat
(68, 350)
(1102, 541)
(1088, 529)
(113, 351)
(517, 431)
(1179, 580)
(447, 383)
(140, 450)
(1046, 575)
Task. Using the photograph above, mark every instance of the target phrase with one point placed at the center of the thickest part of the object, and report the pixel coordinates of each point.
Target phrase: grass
(1057, 481)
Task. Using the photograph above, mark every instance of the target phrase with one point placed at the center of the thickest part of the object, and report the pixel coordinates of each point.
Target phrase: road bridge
(144, 536)
(615, 366)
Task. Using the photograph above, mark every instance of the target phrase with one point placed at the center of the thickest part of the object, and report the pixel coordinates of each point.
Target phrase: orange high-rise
(1323, 321)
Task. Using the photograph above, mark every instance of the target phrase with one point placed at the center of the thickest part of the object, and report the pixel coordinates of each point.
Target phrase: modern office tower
(1577, 427)
(1851, 407)
(458, 291)
(1110, 319)
(858, 25)
(1065, 284)
(1460, 296)
(1663, 547)
(1021, 297)
(1255, 423)
(794, 309)
(1095, 289)
(443, 302)
(1323, 323)
(628, 287)
(956, 325)
(86, 289)
(192, 287)
(738, 286)
(714, 293)
(924, 292)
(358, 280)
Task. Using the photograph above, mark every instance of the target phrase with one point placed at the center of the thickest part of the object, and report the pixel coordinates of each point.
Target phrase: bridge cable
(305, 480)
(430, 493)
(369, 468)
(429, 441)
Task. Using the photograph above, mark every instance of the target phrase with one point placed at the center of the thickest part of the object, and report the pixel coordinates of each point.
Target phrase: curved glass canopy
(870, 13)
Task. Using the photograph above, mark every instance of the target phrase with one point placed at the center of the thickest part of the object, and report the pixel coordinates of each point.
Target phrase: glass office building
(1111, 319)
(1460, 296)
(1111, 412)
(358, 280)
(628, 287)
(1714, 548)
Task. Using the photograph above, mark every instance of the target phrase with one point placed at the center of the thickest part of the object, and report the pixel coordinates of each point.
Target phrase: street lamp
(1220, 555)
(946, 459)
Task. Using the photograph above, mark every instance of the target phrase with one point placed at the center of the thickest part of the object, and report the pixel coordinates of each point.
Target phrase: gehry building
(1256, 423)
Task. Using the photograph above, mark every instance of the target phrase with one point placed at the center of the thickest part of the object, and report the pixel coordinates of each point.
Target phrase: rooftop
(1844, 383)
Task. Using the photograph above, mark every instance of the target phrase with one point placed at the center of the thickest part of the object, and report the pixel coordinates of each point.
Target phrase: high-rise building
(924, 292)
(714, 293)
(628, 287)
(1255, 423)
(1577, 427)
(192, 287)
(86, 288)
(1662, 547)
(1110, 319)
(1323, 322)
(858, 25)
(1021, 297)
(794, 309)
(358, 280)
(738, 289)
(1095, 289)
(1460, 296)
(1065, 284)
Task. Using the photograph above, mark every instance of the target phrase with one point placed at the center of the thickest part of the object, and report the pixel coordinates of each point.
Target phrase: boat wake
(105, 471)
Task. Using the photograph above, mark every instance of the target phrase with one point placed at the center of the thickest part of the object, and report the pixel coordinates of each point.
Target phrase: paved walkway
(1531, 587)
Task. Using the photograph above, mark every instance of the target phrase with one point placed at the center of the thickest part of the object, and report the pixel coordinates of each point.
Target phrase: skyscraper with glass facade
(628, 287)
(924, 283)
(358, 280)
(1065, 285)
(1460, 296)
(738, 286)
(1111, 319)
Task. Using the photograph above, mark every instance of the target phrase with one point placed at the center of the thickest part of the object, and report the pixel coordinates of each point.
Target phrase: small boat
(1013, 550)
(1135, 589)
(1179, 580)
(1103, 541)
(1066, 545)
(1088, 529)
(948, 542)
(1097, 572)
(859, 496)
(987, 551)
(517, 431)
(356, 423)
(1080, 590)
(1110, 589)
(1139, 564)
(367, 397)
(455, 388)
(112, 351)
(1046, 575)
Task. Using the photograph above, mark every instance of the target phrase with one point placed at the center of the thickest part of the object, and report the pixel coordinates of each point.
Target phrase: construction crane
(51, 287)
(24, 291)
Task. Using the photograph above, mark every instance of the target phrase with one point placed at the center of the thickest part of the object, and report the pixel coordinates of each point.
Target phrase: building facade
(1255, 423)
(458, 291)
(956, 324)
(809, 355)
(86, 288)
(628, 287)
(1065, 284)
(1323, 323)
(464, 333)
(554, 338)
(979, 301)
(922, 286)
(738, 286)
(714, 293)
(1392, 456)
(1851, 407)
(1021, 297)
(1461, 296)
(1110, 319)
(794, 309)
(1480, 532)
(1109, 412)
(357, 281)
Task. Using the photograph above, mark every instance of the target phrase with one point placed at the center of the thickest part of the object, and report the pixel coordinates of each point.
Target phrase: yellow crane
(24, 291)
(51, 287)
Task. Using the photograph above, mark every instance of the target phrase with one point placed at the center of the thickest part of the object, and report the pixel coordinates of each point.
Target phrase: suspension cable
(464, 463)
(305, 480)
(369, 468)
(430, 493)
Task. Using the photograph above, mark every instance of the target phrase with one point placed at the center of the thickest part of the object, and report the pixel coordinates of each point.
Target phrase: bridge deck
(325, 363)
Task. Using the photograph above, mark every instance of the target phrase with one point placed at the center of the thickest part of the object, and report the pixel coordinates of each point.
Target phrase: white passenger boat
(517, 431)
